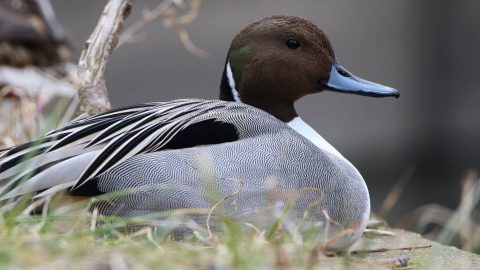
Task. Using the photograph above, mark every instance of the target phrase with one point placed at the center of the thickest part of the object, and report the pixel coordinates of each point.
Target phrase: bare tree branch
(168, 9)
(94, 58)
(147, 17)
(180, 23)
(106, 37)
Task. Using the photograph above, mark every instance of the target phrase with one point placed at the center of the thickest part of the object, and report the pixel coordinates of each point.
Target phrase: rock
(411, 251)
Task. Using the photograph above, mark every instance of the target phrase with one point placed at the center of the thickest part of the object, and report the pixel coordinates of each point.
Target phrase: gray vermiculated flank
(267, 170)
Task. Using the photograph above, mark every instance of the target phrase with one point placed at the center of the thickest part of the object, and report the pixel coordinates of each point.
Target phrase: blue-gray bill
(341, 80)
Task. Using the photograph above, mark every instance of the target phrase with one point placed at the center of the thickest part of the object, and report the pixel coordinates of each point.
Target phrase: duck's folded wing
(118, 135)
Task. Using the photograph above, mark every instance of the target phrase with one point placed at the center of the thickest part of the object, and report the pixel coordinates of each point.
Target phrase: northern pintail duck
(248, 154)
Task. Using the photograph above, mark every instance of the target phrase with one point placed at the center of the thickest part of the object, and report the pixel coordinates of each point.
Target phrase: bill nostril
(343, 73)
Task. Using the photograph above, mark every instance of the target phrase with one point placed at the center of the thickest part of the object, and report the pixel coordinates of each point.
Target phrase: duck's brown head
(277, 60)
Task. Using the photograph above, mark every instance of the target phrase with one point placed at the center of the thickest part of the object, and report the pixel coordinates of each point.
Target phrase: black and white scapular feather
(188, 153)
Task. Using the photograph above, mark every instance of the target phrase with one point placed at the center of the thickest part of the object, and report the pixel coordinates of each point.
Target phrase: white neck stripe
(310, 134)
(231, 83)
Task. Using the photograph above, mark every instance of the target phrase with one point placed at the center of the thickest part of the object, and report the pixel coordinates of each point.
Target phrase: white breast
(309, 133)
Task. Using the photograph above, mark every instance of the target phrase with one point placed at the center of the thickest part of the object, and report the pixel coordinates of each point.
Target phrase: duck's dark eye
(293, 44)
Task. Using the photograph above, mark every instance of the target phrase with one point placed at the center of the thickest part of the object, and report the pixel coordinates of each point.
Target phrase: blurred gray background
(429, 50)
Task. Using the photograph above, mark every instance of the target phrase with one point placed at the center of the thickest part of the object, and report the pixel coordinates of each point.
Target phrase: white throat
(231, 83)
(309, 133)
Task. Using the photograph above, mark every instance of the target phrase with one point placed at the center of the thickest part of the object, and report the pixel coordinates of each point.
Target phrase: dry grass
(60, 238)
(458, 227)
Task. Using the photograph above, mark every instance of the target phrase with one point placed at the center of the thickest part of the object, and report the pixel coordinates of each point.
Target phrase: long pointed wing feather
(46, 158)
(77, 132)
(58, 174)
